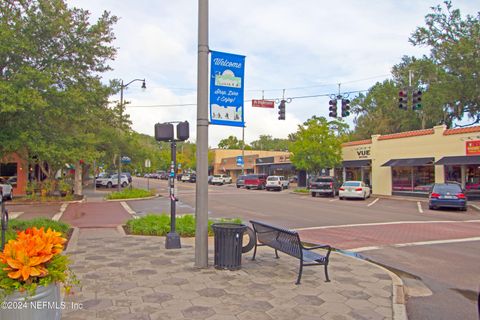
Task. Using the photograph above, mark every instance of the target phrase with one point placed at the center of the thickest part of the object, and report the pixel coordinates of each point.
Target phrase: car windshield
(444, 188)
(322, 180)
(352, 184)
(217, 176)
(251, 176)
(272, 179)
(241, 177)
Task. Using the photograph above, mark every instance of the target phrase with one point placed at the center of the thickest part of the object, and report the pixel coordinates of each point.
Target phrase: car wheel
(462, 209)
(109, 185)
(248, 188)
(314, 194)
(238, 187)
(341, 198)
(124, 184)
(431, 207)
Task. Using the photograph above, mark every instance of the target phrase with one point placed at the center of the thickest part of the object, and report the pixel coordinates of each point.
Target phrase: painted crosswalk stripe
(14, 215)
(414, 244)
(59, 214)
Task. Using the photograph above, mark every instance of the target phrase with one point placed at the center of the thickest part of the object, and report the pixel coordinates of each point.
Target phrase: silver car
(6, 189)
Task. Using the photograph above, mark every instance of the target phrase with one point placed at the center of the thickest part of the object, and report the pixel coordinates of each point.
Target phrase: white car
(6, 189)
(354, 189)
(185, 177)
(221, 179)
(112, 181)
(276, 183)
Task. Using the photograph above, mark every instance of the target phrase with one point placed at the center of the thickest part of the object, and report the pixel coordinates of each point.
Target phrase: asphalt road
(442, 277)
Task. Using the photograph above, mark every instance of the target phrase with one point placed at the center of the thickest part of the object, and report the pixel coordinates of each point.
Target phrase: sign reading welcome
(226, 89)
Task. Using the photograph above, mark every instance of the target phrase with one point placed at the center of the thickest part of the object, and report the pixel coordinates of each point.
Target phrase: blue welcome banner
(226, 89)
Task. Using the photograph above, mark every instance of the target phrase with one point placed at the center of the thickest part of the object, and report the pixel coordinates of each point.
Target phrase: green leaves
(317, 144)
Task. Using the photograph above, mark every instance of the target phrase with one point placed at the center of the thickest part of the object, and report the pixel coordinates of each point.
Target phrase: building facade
(14, 170)
(408, 163)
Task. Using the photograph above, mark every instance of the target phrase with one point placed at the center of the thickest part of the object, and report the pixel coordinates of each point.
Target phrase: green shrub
(301, 190)
(15, 225)
(131, 194)
(159, 225)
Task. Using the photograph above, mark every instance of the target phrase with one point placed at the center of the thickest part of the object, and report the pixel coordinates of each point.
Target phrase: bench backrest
(284, 240)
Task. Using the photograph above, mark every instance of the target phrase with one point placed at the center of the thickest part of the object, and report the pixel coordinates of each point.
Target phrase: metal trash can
(228, 245)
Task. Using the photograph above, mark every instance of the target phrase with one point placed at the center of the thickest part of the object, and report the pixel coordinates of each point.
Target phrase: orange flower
(27, 256)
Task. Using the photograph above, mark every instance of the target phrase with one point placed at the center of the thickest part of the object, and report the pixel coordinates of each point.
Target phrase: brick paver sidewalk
(135, 277)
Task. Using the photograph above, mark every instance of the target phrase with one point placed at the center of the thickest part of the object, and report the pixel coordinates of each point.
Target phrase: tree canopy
(318, 144)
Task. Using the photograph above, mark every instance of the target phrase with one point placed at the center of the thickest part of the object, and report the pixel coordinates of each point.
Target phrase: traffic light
(345, 108)
(417, 100)
(403, 99)
(281, 110)
(332, 108)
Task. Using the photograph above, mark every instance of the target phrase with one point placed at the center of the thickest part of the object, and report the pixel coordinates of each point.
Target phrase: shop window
(472, 184)
(353, 174)
(413, 179)
(453, 173)
(8, 171)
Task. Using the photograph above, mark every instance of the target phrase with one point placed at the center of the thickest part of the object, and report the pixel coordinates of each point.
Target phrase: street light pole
(123, 86)
(201, 197)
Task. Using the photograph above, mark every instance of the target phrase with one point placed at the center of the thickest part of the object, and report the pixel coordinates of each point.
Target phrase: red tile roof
(406, 134)
(356, 143)
(461, 130)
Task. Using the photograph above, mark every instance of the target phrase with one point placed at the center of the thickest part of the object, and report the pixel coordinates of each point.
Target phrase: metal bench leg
(326, 273)
(276, 254)
(254, 251)
(300, 272)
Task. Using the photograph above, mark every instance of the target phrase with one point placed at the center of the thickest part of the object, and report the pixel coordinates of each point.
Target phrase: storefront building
(14, 170)
(225, 161)
(408, 163)
(278, 165)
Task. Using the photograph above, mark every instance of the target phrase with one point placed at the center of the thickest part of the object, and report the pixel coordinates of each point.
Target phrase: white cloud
(287, 44)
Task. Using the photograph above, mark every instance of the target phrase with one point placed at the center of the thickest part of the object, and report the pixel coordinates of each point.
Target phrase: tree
(267, 142)
(231, 143)
(455, 49)
(52, 102)
(318, 144)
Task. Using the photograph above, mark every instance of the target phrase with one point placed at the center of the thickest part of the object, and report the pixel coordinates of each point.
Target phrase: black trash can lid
(227, 225)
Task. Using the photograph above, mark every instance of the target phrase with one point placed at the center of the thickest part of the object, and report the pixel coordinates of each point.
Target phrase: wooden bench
(288, 242)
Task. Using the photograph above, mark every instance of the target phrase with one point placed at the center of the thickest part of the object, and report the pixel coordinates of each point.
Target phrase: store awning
(281, 166)
(415, 162)
(356, 163)
(459, 160)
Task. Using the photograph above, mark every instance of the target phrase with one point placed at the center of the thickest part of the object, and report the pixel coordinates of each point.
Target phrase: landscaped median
(301, 191)
(131, 194)
(159, 225)
(16, 225)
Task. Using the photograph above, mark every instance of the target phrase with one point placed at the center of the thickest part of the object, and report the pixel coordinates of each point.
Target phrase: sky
(305, 47)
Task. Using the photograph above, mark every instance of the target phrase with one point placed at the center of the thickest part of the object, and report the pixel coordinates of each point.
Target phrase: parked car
(240, 181)
(193, 178)
(354, 189)
(6, 189)
(257, 181)
(276, 183)
(210, 179)
(323, 185)
(185, 177)
(112, 181)
(129, 176)
(221, 179)
(163, 176)
(447, 195)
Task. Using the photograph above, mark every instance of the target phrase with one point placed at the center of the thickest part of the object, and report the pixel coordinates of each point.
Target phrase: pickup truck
(257, 181)
(221, 179)
(323, 185)
(110, 181)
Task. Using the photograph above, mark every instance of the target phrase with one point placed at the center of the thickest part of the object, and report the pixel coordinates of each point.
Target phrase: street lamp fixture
(123, 86)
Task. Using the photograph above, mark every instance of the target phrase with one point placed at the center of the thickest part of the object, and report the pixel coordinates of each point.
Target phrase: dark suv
(324, 185)
(447, 195)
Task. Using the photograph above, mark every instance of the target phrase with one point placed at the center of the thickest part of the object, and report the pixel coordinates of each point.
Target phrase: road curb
(134, 199)
(73, 242)
(398, 291)
(475, 207)
(45, 202)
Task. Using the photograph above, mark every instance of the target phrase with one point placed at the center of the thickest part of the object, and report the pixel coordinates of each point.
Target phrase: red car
(257, 181)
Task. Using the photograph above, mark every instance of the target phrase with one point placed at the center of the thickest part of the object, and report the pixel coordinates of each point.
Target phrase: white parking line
(414, 244)
(384, 224)
(419, 205)
(331, 200)
(373, 202)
